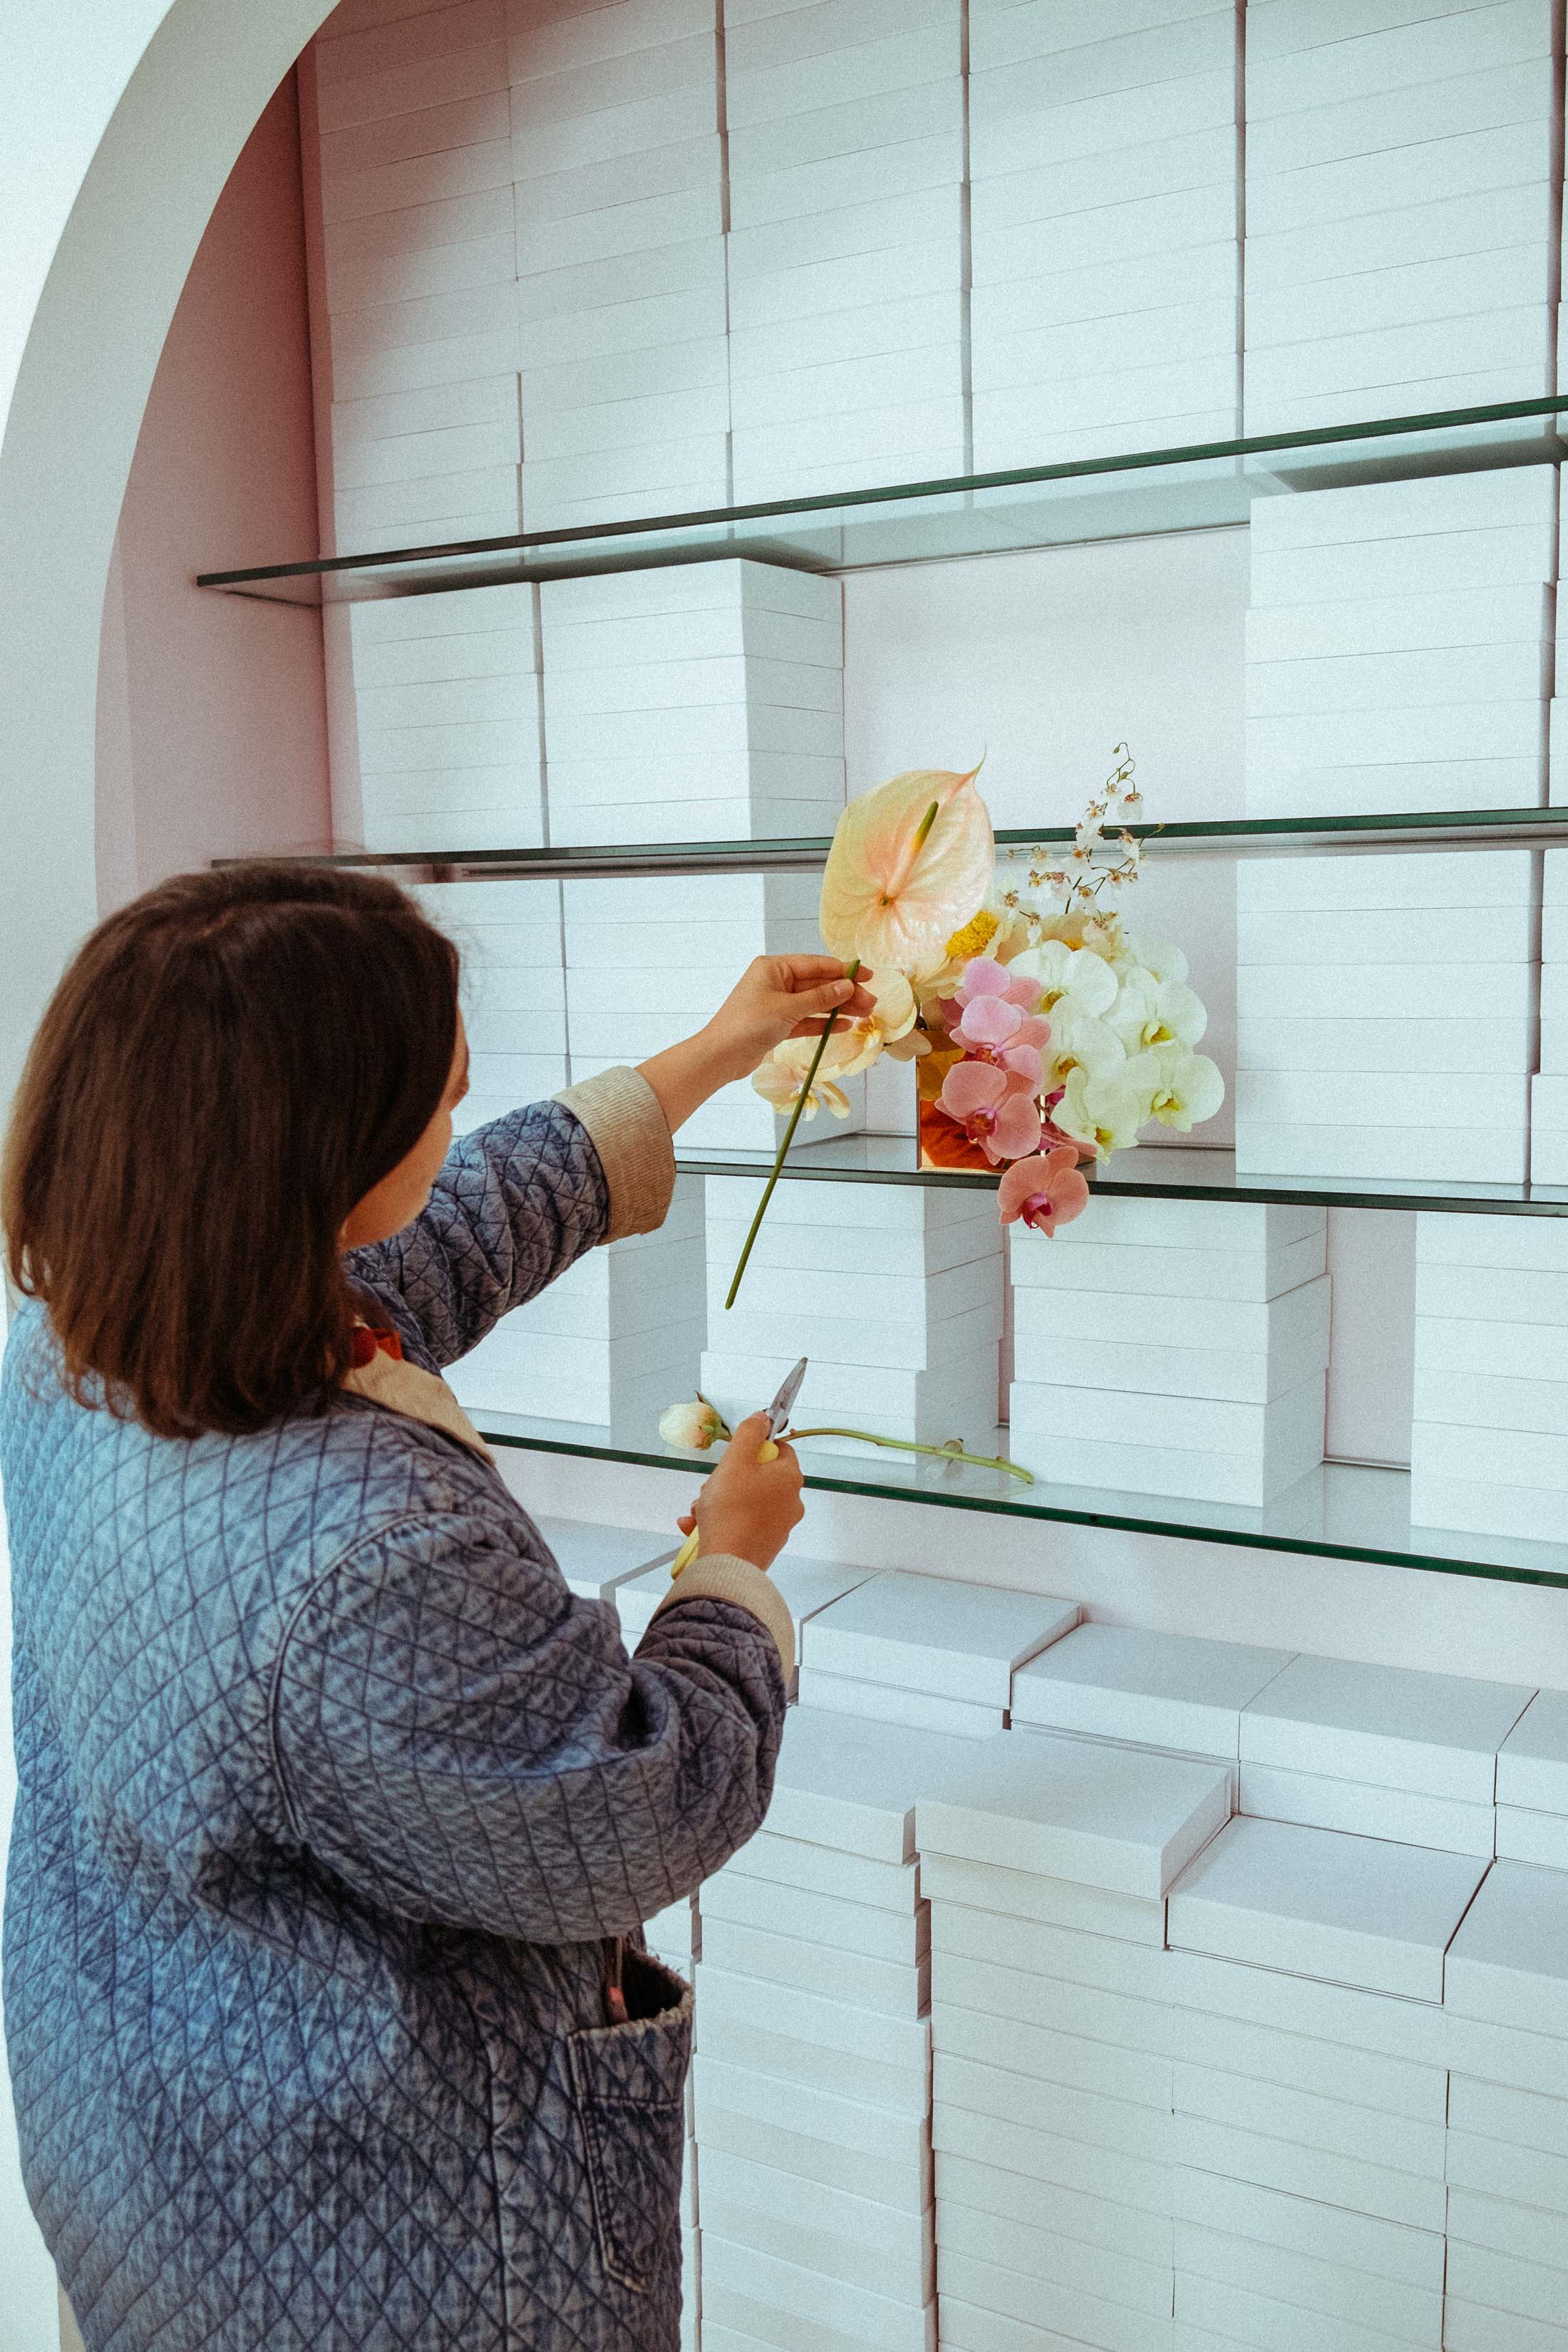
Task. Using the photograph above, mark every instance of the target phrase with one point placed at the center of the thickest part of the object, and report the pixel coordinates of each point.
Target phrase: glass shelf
(1200, 487)
(1274, 836)
(1340, 1511)
(1153, 1172)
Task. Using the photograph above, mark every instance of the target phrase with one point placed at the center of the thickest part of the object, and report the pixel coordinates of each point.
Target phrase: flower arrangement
(1045, 1032)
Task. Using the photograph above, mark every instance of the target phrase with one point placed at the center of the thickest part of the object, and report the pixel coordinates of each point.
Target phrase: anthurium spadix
(911, 864)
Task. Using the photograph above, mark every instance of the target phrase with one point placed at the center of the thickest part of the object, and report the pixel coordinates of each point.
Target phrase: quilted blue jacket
(331, 1794)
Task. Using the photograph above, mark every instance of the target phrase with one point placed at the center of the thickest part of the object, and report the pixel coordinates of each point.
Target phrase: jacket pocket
(630, 2083)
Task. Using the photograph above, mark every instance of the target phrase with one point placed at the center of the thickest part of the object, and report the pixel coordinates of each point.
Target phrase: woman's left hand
(776, 997)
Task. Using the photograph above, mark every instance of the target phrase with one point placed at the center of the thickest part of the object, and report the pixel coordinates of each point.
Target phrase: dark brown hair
(229, 1065)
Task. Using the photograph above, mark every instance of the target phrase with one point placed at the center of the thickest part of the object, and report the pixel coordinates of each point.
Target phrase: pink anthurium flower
(1045, 1191)
(910, 865)
(995, 1109)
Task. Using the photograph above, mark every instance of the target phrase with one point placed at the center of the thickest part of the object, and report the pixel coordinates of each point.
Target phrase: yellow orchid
(860, 1043)
(910, 862)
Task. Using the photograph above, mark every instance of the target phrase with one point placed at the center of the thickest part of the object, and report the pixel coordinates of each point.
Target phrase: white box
(1297, 2226)
(1530, 2233)
(805, 2296)
(883, 1702)
(853, 2053)
(1248, 1480)
(1510, 1956)
(1390, 1724)
(1020, 2296)
(965, 2181)
(1066, 1808)
(861, 1928)
(1048, 2159)
(930, 1634)
(1364, 1809)
(1023, 1894)
(1377, 2190)
(1335, 2291)
(842, 1782)
(804, 1586)
(895, 2176)
(831, 2230)
(893, 1988)
(1236, 1272)
(1167, 1690)
(1338, 2125)
(1525, 1836)
(1129, 2127)
(1077, 1416)
(1354, 1910)
(780, 1859)
(1063, 2265)
(1052, 2054)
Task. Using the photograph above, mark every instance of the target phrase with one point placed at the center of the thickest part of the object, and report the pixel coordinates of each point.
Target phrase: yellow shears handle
(766, 1452)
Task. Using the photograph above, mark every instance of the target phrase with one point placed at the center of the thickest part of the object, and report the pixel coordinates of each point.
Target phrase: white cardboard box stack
(1533, 1784)
(1549, 1091)
(927, 1652)
(613, 1339)
(813, 2068)
(1491, 1420)
(1052, 2129)
(846, 246)
(1401, 195)
(620, 257)
(1107, 264)
(893, 1294)
(1379, 1752)
(1399, 645)
(1345, 1064)
(1204, 1329)
(699, 702)
(446, 698)
(514, 990)
(420, 273)
(1508, 2116)
(1168, 1691)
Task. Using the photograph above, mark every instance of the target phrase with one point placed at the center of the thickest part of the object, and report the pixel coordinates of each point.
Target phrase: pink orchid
(1045, 1191)
(995, 1108)
(983, 976)
(993, 1021)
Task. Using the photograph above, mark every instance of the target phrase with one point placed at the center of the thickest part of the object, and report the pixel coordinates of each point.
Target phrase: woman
(328, 2016)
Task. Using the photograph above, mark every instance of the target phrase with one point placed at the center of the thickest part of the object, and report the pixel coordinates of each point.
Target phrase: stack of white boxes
(892, 1293)
(419, 340)
(1166, 1691)
(1173, 1348)
(804, 1586)
(1107, 261)
(446, 698)
(701, 702)
(1402, 186)
(927, 1652)
(620, 257)
(1549, 1091)
(1487, 1444)
(1399, 646)
(513, 987)
(1379, 1752)
(614, 1340)
(1508, 2118)
(1048, 1861)
(1533, 1784)
(1386, 1026)
(597, 1562)
(812, 2067)
(846, 247)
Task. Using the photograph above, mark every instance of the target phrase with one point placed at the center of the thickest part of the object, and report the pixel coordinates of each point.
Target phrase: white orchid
(1158, 956)
(1149, 1012)
(1188, 1088)
(1077, 977)
(1106, 1108)
(882, 1031)
(1080, 1043)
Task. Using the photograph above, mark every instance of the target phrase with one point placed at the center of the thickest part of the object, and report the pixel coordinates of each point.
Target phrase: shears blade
(784, 1403)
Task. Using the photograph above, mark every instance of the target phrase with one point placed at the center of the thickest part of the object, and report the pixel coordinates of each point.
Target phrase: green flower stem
(908, 1445)
(788, 1138)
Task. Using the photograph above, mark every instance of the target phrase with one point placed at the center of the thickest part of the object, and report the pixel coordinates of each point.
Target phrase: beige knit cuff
(718, 1576)
(629, 1130)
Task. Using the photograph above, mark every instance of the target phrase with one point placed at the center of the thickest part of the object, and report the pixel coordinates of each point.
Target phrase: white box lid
(1115, 1818)
(1533, 1763)
(1508, 1963)
(932, 1633)
(1393, 1725)
(844, 1781)
(804, 1586)
(1318, 1902)
(594, 1560)
(1170, 1690)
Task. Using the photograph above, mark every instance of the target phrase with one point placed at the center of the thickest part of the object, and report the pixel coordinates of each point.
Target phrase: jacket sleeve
(517, 1201)
(464, 1742)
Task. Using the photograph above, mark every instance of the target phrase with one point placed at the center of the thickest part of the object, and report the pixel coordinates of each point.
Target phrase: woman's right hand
(748, 1508)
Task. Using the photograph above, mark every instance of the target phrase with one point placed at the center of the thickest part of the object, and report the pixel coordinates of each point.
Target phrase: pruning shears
(779, 1412)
